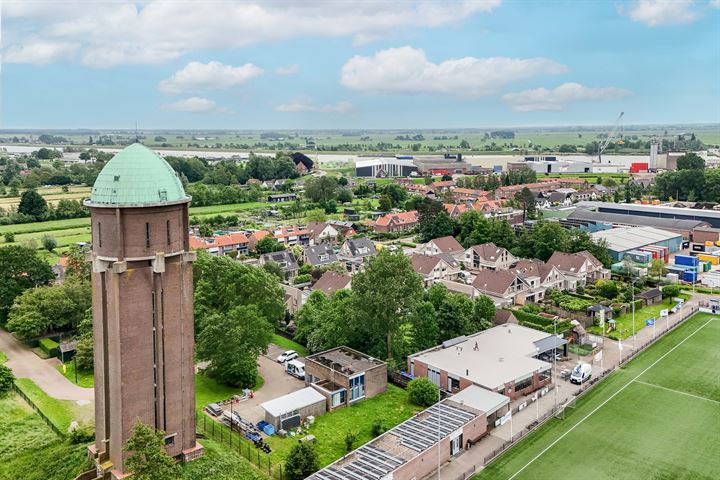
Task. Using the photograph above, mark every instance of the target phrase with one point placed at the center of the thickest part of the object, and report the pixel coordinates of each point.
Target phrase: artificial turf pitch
(656, 418)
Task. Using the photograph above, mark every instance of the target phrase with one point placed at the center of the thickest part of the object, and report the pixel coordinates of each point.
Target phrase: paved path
(277, 383)
(25, 364)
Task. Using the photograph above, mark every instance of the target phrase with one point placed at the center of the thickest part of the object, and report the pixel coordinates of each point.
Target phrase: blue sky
(425, 64)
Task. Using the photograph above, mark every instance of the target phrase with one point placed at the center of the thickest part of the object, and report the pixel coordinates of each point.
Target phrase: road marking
(606, 401)
(678, 391)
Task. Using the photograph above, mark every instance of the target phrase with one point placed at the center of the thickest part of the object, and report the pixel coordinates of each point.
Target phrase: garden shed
(650, 297)
(289, 410)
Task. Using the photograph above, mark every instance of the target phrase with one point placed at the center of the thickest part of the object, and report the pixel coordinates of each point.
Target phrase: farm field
(657, 417)
(52, 195)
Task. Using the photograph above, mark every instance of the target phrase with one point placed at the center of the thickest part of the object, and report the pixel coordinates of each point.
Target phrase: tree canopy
(148, 459)
(20, 270)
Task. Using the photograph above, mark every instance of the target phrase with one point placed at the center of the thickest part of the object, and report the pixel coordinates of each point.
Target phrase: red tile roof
(229, 239)
(402, 218)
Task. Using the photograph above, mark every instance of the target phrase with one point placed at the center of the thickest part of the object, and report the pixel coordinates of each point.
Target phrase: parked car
(287, 355)
(296, 369)
(581, 373)
(213, 409)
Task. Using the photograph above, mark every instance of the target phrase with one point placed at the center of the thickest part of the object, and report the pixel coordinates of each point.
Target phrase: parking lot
(277, 383)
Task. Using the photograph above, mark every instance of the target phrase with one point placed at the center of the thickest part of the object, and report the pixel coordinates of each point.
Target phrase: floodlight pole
(438, 430)
(557, 385)
(633, 315)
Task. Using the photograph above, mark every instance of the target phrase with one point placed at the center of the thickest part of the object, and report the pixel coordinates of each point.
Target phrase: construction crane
(610, 136)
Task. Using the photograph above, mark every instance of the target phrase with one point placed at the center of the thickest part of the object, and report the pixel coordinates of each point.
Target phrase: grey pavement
(25, 364)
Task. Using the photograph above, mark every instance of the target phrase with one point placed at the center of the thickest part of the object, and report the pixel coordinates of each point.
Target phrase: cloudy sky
(358, 64)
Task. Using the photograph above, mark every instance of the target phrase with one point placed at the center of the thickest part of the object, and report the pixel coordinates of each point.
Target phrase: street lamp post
(633, 313)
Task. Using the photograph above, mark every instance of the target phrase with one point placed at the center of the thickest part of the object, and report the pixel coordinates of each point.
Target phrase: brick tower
(143, 327)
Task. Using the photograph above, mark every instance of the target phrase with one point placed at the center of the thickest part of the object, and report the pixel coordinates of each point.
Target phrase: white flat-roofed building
(501, 359)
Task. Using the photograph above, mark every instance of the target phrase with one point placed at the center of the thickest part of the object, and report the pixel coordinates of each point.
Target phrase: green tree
(546, 238)
(315, 215)
(9, 237)
(148, 459)
(321, 189)
(20, 270)
(274, 269)
(344, 195)
(77, 266)
(483, 313)
(385, 203)
(302, 461)
(396, 193)
(670, 291)
(690, 161)
(222, 283)
(349, 439)
(84, 353)
(425, 330)
(49, 308)
(232, 341)
(269, 244)
(32, 204)
(433, 220)
(656, 268)
(607, 289)
(422, 392)
(526, 199)
(385, 293)
(6, 380)
(455, 316)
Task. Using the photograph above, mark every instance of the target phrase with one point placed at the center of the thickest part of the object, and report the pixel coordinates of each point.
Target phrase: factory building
(712, 217)
(620, 241)
(590, 220)
(385, 167)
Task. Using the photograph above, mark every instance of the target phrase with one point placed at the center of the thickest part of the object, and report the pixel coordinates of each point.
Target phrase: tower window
(147, 235)
(167, 231)
(99, 234)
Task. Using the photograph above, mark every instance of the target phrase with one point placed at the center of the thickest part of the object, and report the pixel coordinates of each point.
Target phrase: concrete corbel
(158, 263)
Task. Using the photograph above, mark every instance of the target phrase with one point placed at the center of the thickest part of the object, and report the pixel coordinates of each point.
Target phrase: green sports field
(657, 418)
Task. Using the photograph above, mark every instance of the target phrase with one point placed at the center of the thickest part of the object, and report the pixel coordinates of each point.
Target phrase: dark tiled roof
(331, 282)
(320, 255)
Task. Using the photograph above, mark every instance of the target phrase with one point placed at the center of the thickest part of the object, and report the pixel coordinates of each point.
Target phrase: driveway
(277, 383)
(25, 364)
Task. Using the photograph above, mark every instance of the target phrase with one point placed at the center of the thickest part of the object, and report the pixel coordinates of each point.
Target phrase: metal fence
(235, 441)
(49, 422)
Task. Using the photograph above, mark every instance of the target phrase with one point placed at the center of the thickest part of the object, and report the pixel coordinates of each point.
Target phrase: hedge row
(49, 346)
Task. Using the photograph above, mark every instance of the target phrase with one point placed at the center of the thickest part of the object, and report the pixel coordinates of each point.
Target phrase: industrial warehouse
(621, 241)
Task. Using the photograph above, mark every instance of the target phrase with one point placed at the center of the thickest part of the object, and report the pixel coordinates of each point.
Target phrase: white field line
(677, 391)
(606, 401)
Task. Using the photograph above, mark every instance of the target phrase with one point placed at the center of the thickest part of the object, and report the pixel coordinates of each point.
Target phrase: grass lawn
(218, 463)
(30, 450)
(656, 418)
(288, 344)
(85, 378)
(208, 390)
(624, 323)
(392, 407)
(60, 412)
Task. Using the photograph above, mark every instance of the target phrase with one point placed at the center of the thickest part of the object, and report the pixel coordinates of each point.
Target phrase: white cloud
(201, 77)
(305, 105)
(38, 52)
(407, 70)
(662, 12)
(195, 105)
(715, 3)
(291, 69)
(555, 99)
(106, 34)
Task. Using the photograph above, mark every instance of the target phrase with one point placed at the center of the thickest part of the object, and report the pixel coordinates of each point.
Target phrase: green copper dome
(137, 176)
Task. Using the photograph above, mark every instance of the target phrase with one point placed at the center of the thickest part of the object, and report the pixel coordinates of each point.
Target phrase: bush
(81, 433)
(378, 428)
(6, 380)
(670, 291)
(302, 279)
(302, 461)
(422, 392)
(9, 237)
(350, 438)
(49, 243)
(49, 346)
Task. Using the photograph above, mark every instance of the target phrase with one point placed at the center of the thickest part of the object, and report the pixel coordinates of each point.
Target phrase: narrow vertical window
(99, 234)
(167, 231)
(147, 235)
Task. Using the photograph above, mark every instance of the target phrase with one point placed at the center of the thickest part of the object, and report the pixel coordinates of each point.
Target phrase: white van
(295, 368)
(581, 373)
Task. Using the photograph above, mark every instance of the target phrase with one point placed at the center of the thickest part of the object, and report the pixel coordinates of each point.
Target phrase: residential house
(539, 277)
(488, 256)
(503, 286)
(294, 298)
(463, 288)
(509, 191)
(322, 232)
(558, 198)
(303, 163)
(319, 255)
(345, 376)
(396, 222)
(578, 268)
(59, 269)
(226, 244)
(456, 209)
(443, 186)
(282, 197)
(462, 194)
(286, 260)
(584, 195)
(344, 227)
(442, 245)
(292, 235)
(432, 268)
(355, 252)
(330, 282)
